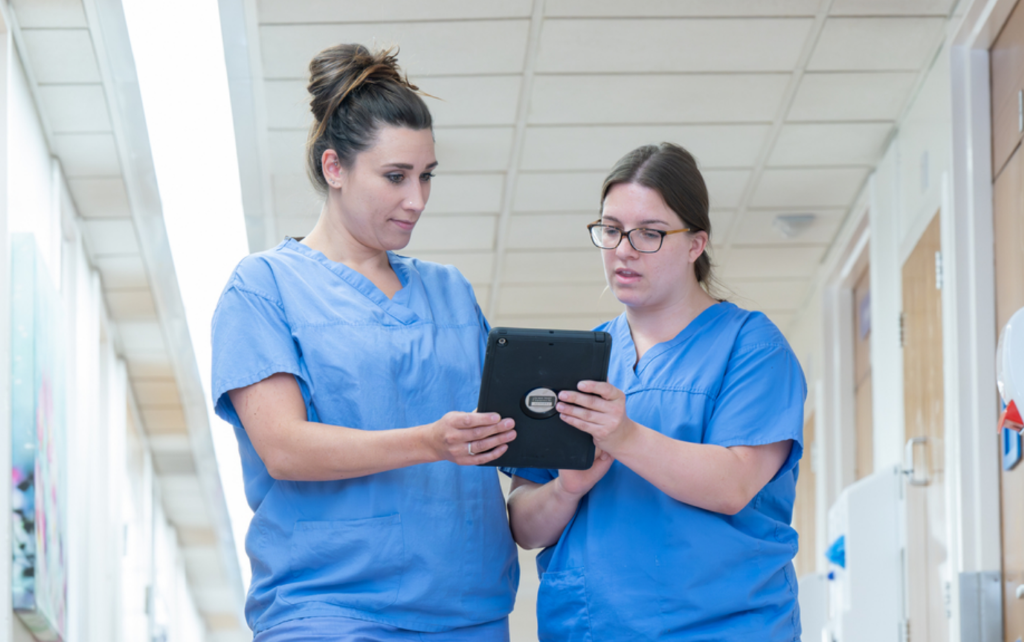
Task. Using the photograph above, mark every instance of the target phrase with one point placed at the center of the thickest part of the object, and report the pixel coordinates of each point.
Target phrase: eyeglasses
(608, 237)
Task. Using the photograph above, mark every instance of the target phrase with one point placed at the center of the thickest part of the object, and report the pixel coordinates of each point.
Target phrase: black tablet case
(519, 361)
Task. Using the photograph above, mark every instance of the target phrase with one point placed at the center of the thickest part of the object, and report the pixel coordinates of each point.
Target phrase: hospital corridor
(512, 320)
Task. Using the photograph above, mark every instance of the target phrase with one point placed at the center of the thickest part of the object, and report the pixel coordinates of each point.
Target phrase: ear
(331, 167)
(698, 243)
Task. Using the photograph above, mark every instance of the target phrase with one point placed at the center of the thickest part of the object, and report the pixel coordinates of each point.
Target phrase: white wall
(120, 547)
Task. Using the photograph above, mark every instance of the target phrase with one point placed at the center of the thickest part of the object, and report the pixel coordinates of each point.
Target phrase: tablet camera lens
(502, 341)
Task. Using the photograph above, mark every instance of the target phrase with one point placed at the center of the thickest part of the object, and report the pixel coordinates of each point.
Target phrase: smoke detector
(792, 225)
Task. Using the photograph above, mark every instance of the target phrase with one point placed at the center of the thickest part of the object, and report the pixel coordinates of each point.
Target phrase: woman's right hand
(577, 483)
(471, 438)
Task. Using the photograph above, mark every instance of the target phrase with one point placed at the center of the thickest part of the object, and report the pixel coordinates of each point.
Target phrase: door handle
(909, 467)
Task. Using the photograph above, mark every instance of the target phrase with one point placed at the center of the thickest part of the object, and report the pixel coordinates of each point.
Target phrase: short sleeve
(251, 341)
(761, 401)
(536, 475)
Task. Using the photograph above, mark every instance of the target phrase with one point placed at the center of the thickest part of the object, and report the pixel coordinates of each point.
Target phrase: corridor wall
(125, 570)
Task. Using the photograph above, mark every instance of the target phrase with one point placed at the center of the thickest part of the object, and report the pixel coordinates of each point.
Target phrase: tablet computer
(524, 370)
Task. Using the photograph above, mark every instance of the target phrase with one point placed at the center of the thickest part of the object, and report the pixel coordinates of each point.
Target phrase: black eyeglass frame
(627, 234)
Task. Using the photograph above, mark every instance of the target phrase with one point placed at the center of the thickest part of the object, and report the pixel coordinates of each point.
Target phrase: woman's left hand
(599, 409)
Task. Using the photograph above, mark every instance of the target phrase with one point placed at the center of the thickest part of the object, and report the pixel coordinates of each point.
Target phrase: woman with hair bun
(681, 529)
(350, 375)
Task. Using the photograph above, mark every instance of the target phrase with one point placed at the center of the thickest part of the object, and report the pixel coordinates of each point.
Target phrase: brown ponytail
(671, 171)
(352, 93)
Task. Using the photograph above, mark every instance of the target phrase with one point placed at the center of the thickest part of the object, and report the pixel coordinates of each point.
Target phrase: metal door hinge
(938, 270)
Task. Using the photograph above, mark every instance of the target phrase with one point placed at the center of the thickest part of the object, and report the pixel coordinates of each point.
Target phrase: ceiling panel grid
(786, 104)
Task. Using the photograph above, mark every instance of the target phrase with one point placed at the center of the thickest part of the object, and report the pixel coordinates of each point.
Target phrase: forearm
(307, 451)
(539, 513)
(703, 475)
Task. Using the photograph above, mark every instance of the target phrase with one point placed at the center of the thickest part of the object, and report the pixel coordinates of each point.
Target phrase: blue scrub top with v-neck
(423, 548)
(635, 564)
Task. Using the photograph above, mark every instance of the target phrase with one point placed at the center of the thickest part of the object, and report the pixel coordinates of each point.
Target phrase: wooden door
(864, 462)
(805, 507)
(923, 415)
(1008, 229)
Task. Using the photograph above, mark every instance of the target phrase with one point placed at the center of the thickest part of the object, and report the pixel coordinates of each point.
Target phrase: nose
(416, 197)
(625, 251)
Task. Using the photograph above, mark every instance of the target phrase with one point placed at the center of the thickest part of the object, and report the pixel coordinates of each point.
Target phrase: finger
(483, 432)
(490, 455)
(602, 389)
(580, 399)
(490, 443)
(579, 412)
(474, 419)
(585, 426)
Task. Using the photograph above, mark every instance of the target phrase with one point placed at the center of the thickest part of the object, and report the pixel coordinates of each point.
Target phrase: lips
(404, 225)
(626, 275)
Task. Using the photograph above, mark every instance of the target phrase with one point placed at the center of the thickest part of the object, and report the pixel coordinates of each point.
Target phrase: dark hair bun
(353, 91)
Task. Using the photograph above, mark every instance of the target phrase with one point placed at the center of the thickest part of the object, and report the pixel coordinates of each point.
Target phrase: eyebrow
(408, 166)
(651, 221)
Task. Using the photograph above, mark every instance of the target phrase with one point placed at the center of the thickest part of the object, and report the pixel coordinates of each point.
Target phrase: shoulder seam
(266, 297)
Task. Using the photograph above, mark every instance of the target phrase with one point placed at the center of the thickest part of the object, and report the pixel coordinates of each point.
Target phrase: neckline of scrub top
(625, 338)
(363, 285)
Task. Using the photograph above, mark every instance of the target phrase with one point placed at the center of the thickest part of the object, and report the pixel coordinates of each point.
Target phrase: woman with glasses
(350, 375)
(680, 530)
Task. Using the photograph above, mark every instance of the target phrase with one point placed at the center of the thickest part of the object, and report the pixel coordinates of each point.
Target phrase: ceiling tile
(75, 108)
(793, 262)
(686, 45)
(725, 186)
(550, 231)
(720, 222)
(890, 8)
(762, 294)
(479, 149)
(808, 188)
(599, 147)
(470, 46)
(555, 267)
(577, 299)
(61, 55)
(466, 194)
(110, 237)
(435, 233)
(142, 337)
(460, 101)
(477, 267)
(656, 98)
(822, 144)
(294, 195)
(149, 364)
(87, 154)
(131, 305)
(562, 191)
(486, 100)
(680, 8)
(167, 443)
(100, 197)
(33, 14)
(289, 11)
(164, 419)
(552, 322)
(158, 392)
(876, 44)
(122, 272)
(851, 96)
(757, 228)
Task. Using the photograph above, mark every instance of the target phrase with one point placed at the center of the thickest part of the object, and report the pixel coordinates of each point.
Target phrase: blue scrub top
(635, 564)
(424, 548)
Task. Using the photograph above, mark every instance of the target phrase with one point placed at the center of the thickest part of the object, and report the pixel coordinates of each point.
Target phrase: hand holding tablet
(524, 370)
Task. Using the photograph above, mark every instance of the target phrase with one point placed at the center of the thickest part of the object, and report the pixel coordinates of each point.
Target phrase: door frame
(835, 432)
(969, 334)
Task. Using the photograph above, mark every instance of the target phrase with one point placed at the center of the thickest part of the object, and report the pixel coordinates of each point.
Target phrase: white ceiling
(787, 104)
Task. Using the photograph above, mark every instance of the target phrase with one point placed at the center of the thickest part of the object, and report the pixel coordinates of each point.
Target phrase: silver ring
(469, 448)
